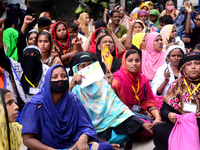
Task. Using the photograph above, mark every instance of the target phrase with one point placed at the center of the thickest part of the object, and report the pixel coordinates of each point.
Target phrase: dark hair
(58, 25)
(44, 33)
(140, 24)
(196, 47)
(73, 26)
(44, 21)
(101, 31)
(167, 19)
(100, 23)
(114, 11)
(29, 33)
(4, 91)
(133, 51)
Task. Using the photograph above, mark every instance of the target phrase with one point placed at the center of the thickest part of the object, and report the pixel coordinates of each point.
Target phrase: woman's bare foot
(115, 146)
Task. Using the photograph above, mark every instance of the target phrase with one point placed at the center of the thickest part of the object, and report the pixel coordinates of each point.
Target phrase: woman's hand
(131, 21)
(148, 127)
(172, 117)
(82, 143)
(156, 121)
(109, 77)
(167, 75)
(76, 80)
(188, 8)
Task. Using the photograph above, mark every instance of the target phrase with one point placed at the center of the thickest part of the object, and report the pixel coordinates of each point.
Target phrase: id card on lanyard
(32, 90)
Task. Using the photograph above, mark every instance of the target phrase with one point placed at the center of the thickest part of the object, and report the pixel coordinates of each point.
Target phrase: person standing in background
(17, 6)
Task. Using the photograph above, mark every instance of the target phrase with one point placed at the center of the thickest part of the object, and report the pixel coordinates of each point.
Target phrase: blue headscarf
(60, 125)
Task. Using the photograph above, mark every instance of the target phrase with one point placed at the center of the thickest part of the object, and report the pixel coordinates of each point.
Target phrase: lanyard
(136, 91)
(189, 88)
(29, 81)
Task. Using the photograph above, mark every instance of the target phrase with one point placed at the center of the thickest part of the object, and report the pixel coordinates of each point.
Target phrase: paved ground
(137, 145)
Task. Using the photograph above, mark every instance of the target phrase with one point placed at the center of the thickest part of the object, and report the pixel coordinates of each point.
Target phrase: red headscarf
(123, 80)
(54, 37)
(92, 47)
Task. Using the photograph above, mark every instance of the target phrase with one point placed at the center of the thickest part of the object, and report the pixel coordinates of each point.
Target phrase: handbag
(185, 133)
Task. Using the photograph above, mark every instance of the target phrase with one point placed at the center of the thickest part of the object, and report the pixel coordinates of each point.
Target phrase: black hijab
(32, 67)
(116, 64)
(84, 57)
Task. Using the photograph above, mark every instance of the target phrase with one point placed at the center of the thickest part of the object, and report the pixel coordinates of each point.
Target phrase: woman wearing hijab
(143, 16)
(139, 41)
(10, 131)
(133, 88)
(84, 21)
(168, 72)
(154, 16)
(170, 9)
(153, 57)
(112, 120)
(169, 33)
(108, 40)
(57, 118)
(182, 91)
(28, 75)
(10, 36)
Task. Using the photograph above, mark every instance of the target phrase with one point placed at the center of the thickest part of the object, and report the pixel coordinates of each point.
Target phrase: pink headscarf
(151, 59)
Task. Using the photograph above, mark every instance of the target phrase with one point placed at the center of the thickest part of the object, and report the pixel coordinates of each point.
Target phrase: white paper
(92, 74)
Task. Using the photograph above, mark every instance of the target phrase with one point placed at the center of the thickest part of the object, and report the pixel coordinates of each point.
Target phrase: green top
(121, 30)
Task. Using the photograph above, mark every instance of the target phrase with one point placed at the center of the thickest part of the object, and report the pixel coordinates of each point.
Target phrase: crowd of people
(153, 78)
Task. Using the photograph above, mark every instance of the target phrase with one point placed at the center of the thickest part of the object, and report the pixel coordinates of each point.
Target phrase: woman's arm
(130, 33)
(4, 60)
(76, 80)
(188, 21)
(120, 46)
(81, 144)
(29, 139)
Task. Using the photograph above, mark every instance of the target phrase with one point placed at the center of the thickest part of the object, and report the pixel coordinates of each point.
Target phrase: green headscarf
(157, 14)
(10, 36)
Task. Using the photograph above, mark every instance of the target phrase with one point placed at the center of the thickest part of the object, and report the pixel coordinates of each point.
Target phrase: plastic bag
(185, 134)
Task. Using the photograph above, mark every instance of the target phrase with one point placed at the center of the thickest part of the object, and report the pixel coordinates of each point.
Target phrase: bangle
(49, 148)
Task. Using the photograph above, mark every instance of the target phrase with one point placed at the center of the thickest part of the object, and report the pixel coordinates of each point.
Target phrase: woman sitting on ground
(112, 120)
(133, 88)
(55, 118)
(168, 72)
(182, 91)
(10, 131)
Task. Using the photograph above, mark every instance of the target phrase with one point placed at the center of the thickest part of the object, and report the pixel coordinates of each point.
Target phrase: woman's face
(158, 43)
(150, 7)
(83, 65)
(32, 39)
(137, 28)
(109, 42)
(44, 44)
(192, 69)
(87, 19)
(173, 33)
(143, 18)
(170, 3)
(175, 56)
(11, 107)
(142, 45)
(58, 74)
(133, 63)
(99, 35)
(144, 8)
(61, 32)
(122, 11)
(153, 18)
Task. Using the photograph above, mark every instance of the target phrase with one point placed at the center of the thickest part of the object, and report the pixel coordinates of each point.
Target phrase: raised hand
(131, 21)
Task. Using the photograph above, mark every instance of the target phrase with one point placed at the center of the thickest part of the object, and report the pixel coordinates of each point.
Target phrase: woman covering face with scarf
(28, 75)
(57, 118)
(181, 93)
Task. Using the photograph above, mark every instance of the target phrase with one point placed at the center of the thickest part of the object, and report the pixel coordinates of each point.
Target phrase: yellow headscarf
(165, 33)
(137, 39)
(15, 132)
(84, 27)
(141, 6)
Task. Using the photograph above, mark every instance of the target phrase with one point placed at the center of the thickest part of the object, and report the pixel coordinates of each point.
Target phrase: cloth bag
(185, 134)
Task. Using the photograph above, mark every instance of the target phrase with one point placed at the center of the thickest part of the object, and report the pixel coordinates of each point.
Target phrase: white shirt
(159, 78)
(21, 2)
(84, 39)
